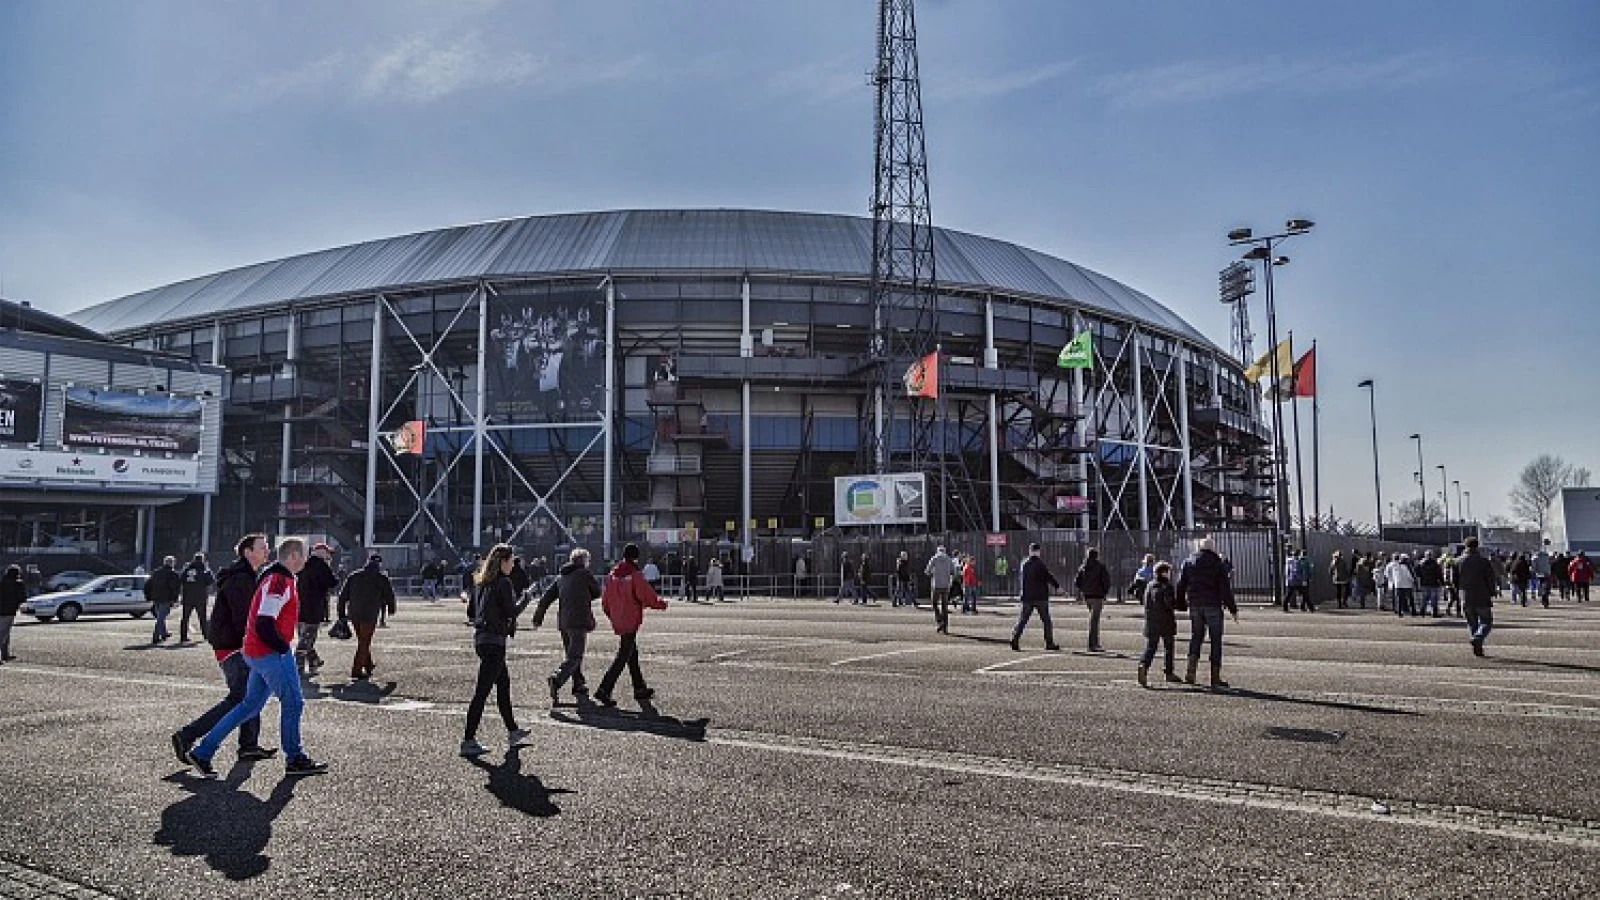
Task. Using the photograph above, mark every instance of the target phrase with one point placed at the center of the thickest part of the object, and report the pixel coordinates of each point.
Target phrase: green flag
(1078, 353)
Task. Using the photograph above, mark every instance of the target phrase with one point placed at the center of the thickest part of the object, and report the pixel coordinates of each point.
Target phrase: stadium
(700, 374)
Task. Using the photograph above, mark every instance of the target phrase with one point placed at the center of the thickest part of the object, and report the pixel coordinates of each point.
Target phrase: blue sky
(1445, 149)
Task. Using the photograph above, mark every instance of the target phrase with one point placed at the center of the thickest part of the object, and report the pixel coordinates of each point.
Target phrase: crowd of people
(1417, 585)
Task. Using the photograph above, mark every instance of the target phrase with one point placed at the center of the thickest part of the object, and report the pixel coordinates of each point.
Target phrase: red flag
(1305, 374)
(922, 378)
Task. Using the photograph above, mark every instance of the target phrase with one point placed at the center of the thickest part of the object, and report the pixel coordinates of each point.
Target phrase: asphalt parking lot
(806, 749)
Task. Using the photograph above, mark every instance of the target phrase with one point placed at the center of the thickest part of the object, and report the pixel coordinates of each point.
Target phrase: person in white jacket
(1403, 584)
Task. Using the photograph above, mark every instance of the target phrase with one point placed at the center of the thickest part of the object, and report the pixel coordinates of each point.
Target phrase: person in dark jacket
(691, 579)
(432, 573)
(1205, 588)
(197, 581)
(1037, 582)
(313, 583)
(1478, 584)
(496, 608)
(520, 579)
(163, 588)
(13, 593)
(904, 594)
(1093, 582)
(577, 589)
(864, 593)
(365, 596)
(1430, 583)
(236, 587)
(1160, 623)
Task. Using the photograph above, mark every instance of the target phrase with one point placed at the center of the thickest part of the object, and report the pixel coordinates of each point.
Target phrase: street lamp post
(1469, 507)
(1261, 249)
(1377, 483)
(1422, 483)
(1444, 497)
(1461, 515)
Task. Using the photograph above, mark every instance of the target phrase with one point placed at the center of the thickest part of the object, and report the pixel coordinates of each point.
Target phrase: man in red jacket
(274, 612)
(625, 597)
(1580, 572)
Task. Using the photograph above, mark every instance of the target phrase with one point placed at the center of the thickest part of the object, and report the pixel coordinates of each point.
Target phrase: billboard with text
(898, 499)
(128, 420)
(21, 403)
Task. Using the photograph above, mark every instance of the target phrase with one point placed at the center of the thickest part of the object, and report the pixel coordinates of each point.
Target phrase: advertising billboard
(899, 499)
(21, 403)
(56, 466)
(546, 356)
(127, 420)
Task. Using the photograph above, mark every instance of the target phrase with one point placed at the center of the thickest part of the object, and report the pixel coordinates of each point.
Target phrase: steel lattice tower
(904, 305)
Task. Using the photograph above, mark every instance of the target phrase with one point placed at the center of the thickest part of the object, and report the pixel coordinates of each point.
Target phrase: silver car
(106, 594)
(68, 580)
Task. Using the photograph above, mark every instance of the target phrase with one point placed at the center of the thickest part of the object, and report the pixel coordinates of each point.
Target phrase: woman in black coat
(1160, 622)
(13, 593)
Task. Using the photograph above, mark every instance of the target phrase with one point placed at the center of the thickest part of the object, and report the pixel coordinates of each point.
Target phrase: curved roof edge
(23, 317)
(645, 240)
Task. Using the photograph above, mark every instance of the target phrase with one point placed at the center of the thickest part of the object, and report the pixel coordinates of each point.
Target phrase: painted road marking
(886, 653)
(1014, 661)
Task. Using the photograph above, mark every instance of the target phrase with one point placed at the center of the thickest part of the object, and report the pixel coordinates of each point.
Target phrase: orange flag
(922, 378)
(1305, 374)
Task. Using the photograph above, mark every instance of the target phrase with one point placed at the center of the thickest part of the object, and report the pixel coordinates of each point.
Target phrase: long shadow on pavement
(648, 720)
(1249, 694)
(354, 692)
(516, 790)
(227, 826)
(1565, 667)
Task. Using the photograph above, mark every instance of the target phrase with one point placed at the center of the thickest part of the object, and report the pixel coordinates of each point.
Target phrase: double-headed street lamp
(1262, 250)
(1377, 483)
(1444, 494)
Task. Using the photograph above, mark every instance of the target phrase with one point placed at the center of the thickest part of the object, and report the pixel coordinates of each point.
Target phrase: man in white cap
(1205, 587)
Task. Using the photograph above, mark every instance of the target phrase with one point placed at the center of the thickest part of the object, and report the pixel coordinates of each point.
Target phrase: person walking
(230, 619)
(1295, 582)
(1361, 578)
(1581, 573)
(1402, 583)
(1205, 588)
(1093, 582)
(1037, 582)
(13, 593)
(1560, 573)
(521, 580)
(197, 580)
(625, 597)
(1430, 584)
(366, 594)
(1520, 572)
(847, 577)
(691, 579)
(1452, 594)
(1380, 580)
(1479, 586)
(496, 607)
(904, 594)
(714, 583)
(1160, 623)
(651, 573)
(315, 581)
(1339, 569)
(576, 588)
(33, 579)
(800, 569)
(1541, 573)
(864, 593)
(163, 588)
(941, 571)
(969, 585)
(432, 573)
(274, 611)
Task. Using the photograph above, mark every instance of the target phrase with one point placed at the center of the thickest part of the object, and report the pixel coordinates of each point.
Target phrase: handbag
(340, 630)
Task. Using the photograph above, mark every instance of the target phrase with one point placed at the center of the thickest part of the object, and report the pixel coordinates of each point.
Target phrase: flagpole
(1294, 412)
(1316, 439)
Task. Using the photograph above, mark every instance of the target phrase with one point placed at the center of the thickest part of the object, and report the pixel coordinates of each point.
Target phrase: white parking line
(1515, 690)
(787, 645)
(886, 653)
(1014, 661)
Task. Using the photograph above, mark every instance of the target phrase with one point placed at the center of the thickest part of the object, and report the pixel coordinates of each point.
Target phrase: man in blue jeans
(268, 651)
(1476, 579)
(162, 589)
(236, 586)
(1204, 585)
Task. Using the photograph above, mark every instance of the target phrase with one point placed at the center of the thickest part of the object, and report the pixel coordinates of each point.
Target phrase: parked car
(66, 581)
(105, 594)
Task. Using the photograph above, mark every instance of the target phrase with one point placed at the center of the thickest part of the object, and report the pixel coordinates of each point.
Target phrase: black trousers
(492, 673)
(627, 656)
(199, 611)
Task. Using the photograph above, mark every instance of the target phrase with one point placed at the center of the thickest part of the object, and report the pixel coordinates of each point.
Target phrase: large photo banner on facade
(899, 499)
(20, 405)
(125, 420)
(546, 356)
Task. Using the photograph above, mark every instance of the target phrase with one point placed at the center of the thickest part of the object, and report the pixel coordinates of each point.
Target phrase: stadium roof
(22, 316)
(754, 241)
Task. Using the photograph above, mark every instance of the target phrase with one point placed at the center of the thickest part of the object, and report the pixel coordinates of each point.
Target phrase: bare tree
(1540, 484)
(1412, 512)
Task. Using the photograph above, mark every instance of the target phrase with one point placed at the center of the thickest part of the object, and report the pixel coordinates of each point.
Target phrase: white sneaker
(473, 749)
(518, 738)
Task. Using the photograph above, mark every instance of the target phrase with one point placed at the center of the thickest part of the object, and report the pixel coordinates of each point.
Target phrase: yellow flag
(1263, 366)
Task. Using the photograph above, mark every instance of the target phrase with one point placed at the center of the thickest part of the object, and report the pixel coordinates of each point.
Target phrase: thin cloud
(421, 68)
(290, 82)
(977, 86)
(1200, 81)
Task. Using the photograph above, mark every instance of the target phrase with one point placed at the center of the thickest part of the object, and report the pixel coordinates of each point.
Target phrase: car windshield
(96, 584)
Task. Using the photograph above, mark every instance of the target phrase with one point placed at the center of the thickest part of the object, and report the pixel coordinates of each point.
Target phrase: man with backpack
(314, 582)
(163, 588)
(625, 598)
(197, 580)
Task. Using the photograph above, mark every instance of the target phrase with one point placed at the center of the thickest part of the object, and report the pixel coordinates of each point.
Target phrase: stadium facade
(698, 373)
